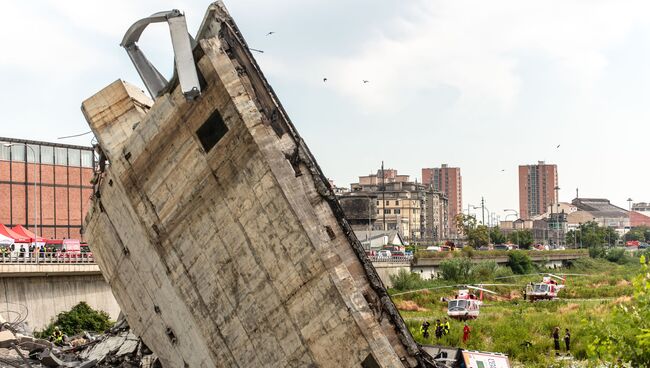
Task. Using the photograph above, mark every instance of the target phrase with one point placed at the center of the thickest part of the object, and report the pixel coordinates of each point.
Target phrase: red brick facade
(536, 189)
(63, 186)
(639, 219)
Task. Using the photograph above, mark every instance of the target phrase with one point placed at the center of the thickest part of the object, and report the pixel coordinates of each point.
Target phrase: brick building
(62, 174)
(537, 191)
(447, 180)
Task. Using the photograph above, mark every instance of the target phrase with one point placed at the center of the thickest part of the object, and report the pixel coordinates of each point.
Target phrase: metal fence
(46, 258)
(394, 259)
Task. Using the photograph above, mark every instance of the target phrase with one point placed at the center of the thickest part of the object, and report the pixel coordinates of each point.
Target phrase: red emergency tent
(13, 235)
(22, 231)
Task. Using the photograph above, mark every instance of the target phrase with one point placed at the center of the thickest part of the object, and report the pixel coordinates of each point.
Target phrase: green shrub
(596, 251)
(80, 318)
(519, 262)
(468, 252)
(503, 272)
(456, 269)
(405, 280)
(616, 255)
(484, 271)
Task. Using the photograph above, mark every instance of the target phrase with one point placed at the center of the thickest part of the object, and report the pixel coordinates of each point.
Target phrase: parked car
(644, 245)
(398, 254)
(502, 247)
(384, 254)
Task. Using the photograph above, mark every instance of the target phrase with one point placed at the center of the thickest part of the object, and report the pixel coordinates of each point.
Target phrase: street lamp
(629, 218)
(516, 214)
(26, 162)
(483, 209)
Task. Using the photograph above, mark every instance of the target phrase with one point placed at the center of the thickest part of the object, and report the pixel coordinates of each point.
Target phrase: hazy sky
(481, 85)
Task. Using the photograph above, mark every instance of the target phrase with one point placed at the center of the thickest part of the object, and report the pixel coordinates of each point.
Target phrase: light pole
(557, 215)
(516, 214)
(483, 209)
(629, 218)
(34, 163)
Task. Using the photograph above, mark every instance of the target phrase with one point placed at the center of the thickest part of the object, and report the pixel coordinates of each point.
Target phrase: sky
(484, 86)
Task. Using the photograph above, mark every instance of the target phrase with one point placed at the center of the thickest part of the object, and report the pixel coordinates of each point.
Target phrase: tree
(465, 224)
(80, 318)
(638, 233)
(523, 238)
(519, 262)
(478, 237)
(497, 236)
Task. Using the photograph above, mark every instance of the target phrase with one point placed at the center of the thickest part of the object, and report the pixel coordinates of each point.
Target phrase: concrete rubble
(118, 347)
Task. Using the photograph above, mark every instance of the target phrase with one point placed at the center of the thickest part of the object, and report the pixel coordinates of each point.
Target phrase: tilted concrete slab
(219, 234)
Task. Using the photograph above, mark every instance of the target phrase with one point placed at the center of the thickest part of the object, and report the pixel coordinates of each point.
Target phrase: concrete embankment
(43, 291)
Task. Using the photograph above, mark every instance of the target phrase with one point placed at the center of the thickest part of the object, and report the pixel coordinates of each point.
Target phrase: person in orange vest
(466, 332)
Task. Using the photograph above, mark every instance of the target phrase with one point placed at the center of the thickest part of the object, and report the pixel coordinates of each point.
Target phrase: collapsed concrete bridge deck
(218, 232)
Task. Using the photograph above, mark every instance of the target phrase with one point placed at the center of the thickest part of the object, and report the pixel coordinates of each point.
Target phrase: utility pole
(383, 194)
(629, 218)
(482, 210)
(557, 222)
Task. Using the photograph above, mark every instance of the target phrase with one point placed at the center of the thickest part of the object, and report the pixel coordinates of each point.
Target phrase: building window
(87, 159)
(387, 203)
(4, 152)
(60, 156)
(387, 211)
(47, 155)
(31, 151)
(397, 203)
(18, 153)
(397, 211)
(74, 157)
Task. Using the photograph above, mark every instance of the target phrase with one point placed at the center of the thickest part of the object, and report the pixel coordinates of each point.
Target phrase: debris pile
(117, 347)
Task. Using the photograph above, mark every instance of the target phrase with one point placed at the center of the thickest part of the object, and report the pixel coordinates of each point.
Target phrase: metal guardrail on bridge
(47, 258)
(398, 259)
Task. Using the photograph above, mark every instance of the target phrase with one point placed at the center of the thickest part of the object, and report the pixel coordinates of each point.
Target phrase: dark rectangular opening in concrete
(211, 131)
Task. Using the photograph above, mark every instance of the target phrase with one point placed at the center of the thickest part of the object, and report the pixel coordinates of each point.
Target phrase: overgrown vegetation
(405, 280)
(80, 318)
(519, 262)
(590, 306)
(470, 252)
(624, 335)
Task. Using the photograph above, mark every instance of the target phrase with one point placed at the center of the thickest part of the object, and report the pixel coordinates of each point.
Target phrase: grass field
(523, 329)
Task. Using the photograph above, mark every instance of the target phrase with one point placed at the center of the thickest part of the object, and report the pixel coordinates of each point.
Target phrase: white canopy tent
(5, 240)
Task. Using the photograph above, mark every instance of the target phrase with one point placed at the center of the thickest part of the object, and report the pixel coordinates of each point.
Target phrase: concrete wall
(46, 296)
(386, 269)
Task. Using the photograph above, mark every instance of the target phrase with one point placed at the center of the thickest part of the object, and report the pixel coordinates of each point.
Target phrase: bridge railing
(398, 259)
(46, 258)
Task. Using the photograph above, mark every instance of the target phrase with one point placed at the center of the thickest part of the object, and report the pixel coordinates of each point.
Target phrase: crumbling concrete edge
(218, 11)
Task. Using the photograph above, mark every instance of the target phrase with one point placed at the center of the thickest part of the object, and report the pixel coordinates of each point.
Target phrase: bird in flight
(365, 81)
(324, 79)
(270, 33)
(558, 146)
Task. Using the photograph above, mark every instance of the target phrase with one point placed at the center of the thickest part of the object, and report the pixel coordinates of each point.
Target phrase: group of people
(442, 328)
(25, 250)
(556, 339)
